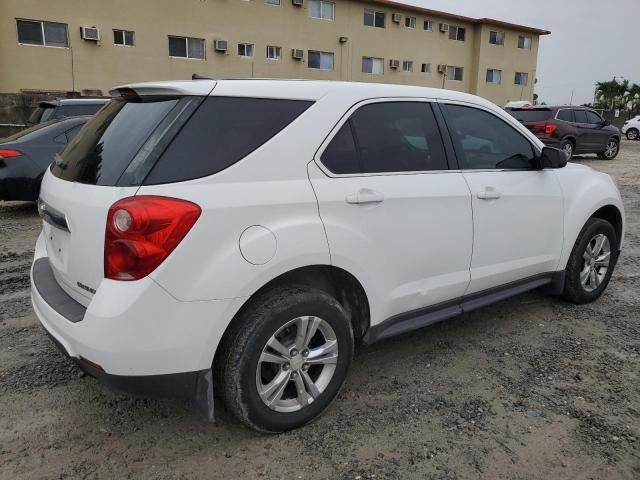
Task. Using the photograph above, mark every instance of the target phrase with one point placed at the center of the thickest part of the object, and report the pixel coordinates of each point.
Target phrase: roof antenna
(195, 76)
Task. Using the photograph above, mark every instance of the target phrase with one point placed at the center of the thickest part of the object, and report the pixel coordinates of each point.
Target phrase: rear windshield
(531, 115)
(41, 114)
(165, 140)
(77, 110)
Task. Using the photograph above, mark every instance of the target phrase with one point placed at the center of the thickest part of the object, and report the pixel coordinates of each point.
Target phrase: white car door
(395, 216)
(517, 209)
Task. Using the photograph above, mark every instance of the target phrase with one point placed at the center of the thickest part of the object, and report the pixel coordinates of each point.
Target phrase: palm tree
(632, 97)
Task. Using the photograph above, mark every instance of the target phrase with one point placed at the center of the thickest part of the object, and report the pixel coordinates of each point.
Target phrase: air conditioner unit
(442, 68)
(297, 3)
(297, 53)
(444, 27)
(220, 45)
(396, 18)
(394, 63)
(90, 33)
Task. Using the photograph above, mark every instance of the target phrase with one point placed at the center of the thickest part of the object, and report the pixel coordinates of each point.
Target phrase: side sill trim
(406, 322)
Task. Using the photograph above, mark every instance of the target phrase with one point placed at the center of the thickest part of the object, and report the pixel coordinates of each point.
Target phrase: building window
(407, 66)
(322, 9)
(522, 78)
(454, 73)
(186, 47)
(426, 68)
(457, 33)
(272, 2)
(373, 18)
(274, 53)
(373, 65)
(494, 76)
(496, 38)
(410, 22)
(47, 34)
(428, 25)
(123, 38)
(524, 42)
(320, 60)
(245, 49)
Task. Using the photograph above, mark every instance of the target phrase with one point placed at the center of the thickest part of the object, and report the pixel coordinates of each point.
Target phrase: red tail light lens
(544, 128)
(10, 154)
(142, 231)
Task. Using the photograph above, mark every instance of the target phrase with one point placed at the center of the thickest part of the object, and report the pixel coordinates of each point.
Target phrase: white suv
(241, 235)
(631, 128)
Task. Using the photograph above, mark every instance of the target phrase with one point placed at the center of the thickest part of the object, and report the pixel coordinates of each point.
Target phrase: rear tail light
(9, 154)
(544, 128)
(142, 231)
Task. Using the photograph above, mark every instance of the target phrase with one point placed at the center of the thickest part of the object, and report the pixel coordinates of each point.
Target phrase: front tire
(285, 358)
(591, 262)
(633, 134)
(611, 150)
(568, 148)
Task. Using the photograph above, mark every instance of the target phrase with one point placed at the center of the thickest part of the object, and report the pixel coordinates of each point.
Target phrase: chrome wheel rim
(568, 150)
(595, 262)
(612, 149)
(297, 364)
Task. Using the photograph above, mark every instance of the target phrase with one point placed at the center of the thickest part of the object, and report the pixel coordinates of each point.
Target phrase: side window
(581, 116)
(566, 115)
(388, 137)
(593, 118)
(484, 141)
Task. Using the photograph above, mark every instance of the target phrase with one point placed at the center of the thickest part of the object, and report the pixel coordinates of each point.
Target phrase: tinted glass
(593, 118)
(29, 133)
(398, 137)
(36, 115)
(177, 47)
(341, 156)
(566, 115)
(483, 141)
(29, 32)
(531, 115)
(581, 116)
(220, 133)
(76, 110)
(109, 141)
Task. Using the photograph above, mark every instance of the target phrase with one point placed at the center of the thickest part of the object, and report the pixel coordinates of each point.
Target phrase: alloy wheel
(568, 150)
(297, 364)
(611, 150)
(632, 134)
(596, 262)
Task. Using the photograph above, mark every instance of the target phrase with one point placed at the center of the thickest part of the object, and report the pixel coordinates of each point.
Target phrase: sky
(590, 41)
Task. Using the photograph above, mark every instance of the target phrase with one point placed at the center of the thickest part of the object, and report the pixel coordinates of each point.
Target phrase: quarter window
(373, 18)
(47, 34)
(245, 49)
(457, 33)
(274, 53)
(320, 60)
(410, 22)
(373, 65)
(123, 38)
(387, 137)
(186, 47)
(521, 78)
(494, 76)
(455, 73)
(496, 38)
(524, 42)
(484, 141)
(407, 66)
(322, 9)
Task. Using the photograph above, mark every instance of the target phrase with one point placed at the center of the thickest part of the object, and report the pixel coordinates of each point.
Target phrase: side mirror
(552, 158)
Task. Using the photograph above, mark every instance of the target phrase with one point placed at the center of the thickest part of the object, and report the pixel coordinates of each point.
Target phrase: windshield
(531, 115)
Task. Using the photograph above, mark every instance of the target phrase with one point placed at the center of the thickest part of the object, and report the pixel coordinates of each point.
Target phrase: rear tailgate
(534, 118)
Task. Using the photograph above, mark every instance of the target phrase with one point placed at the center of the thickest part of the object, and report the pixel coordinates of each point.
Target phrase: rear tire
(568, 147)
(278, 389)
(611, 151)
(633, 134)
(589, 268)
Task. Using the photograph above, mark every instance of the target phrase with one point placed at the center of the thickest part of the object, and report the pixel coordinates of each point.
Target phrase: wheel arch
(611, 214)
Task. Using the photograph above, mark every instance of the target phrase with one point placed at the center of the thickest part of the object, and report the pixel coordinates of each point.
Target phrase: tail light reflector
(544, 128)
(10, 153)
(142, 231)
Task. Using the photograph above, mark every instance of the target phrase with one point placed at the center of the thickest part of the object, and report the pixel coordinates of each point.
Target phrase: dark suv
(575, 130)
(65, 107)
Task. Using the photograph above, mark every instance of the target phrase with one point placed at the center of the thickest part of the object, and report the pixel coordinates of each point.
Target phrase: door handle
(365, 195)
(489, 193)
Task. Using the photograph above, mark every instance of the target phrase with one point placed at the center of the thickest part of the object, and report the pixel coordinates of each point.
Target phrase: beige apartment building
(88, 46)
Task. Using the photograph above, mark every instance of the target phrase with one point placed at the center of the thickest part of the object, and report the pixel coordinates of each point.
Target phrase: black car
(25, 156)
(64, 108)
(575, 130)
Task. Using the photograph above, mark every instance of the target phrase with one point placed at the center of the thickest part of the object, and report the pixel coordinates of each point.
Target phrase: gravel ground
(532, 387)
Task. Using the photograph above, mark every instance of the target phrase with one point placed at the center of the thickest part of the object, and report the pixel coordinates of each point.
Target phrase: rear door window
(581, 116)
(566, 115)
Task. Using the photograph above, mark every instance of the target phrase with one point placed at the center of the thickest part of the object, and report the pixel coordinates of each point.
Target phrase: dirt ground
(529, 388)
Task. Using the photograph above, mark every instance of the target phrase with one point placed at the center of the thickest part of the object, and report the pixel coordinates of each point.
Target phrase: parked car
(65, 107)
(243, 237)
(631, 128)
(575, 130)
(25, 156)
